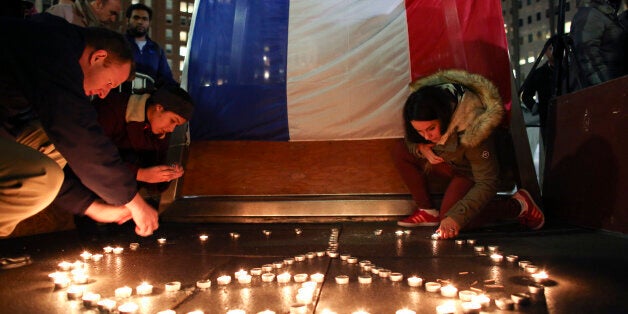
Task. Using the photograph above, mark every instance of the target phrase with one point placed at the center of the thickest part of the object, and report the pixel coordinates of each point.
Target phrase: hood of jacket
(479, 111)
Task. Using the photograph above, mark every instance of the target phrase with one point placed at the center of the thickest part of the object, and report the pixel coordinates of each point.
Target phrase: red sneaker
(421, 217)
(531, 215)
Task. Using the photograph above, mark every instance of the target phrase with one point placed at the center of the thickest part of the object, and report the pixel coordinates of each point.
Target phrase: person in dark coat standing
(150, 58)
(47, 123)
(598, 41)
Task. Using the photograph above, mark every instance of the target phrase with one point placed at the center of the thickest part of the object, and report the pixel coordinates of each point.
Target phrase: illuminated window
(168, 33)
(522, 61)
(168, 4)
(183, 51)
(168, 48)
(183, 6)
(191, 7)
(169, 19)
(183, 36)
(530, 59)
(181, 64)
(567, 27)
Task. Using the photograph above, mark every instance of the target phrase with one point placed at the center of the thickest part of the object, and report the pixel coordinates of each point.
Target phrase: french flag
(305, 70)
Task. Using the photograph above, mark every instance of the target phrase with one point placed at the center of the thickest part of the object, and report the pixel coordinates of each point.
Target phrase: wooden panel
(291, 168)
(587, 171)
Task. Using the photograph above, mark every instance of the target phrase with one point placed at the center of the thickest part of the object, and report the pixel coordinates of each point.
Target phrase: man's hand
(161, 173)
(144, 216)
(428, 153)
(448, 228)
(103, 212)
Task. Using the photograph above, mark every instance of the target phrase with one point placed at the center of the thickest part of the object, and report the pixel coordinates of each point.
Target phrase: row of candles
(472, 301)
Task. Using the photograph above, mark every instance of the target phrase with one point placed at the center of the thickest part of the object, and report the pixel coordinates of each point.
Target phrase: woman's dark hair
(427, 104)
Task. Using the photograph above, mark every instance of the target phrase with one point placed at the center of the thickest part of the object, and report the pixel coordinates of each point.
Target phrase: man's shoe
(531, 215)
(421, 218)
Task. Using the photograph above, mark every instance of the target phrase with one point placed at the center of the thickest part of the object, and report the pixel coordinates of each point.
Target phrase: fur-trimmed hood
(478, 112)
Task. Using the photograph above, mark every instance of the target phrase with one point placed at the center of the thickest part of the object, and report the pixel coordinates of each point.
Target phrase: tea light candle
(298, 231)
(172, 286)
(540, 276)
(123, 292)
(415, 281)
(74, 292)
(234, 235)
(367, 267)
(203, 237)
(536, 288)
(96, 257)
(309, 285)
(407, 232)
(86, 255)
(520, 298)
(80, 278)
(523, 264)
(144, 289)
(256, 271)
(118, 250)
(288, 261)
(300, 277)
(106, 305)
(446, 308)
(342, 279)
(460, 242)
(471, 307)
(223, 280)
(278, 265)
(90, 299)
(432, 286)
(299, 258)
(478, 248)
(310, 255)
(378, 232)
(471, 241)
(497, 258)
(505, 304)
(267, 267)
(332, 254)
(405, 311)
(365, 279)
(64, 266)
(399, 233)
(384, 273)
(364, 262)
(512, 258)
(128, 308)
(268, 277)
(161, 240)
(531, 269)
(352, 260)
(107, 249)
(284, 277)
(375, 270)
(320, 253)
(492, 248)
(240, 272)
(435, 236)
(57, 274)
(244, 279)
(449, 291)
(204, 284)
(466, 295)
(267, 232)
(304, 298)
(62, 282)
(481, 299)
(395, 277)
(344, 257)
(317, 277)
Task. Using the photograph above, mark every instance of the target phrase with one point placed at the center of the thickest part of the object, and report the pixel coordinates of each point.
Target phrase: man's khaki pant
(30, 176)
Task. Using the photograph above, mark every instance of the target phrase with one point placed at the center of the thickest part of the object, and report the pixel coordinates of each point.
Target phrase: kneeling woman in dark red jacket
(140, 125)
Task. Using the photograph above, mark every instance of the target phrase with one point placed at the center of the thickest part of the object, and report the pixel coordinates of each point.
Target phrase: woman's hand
(448, 228)
(428, 153)
(160, 173)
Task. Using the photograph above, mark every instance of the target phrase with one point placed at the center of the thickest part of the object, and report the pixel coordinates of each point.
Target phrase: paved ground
(587, 269)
